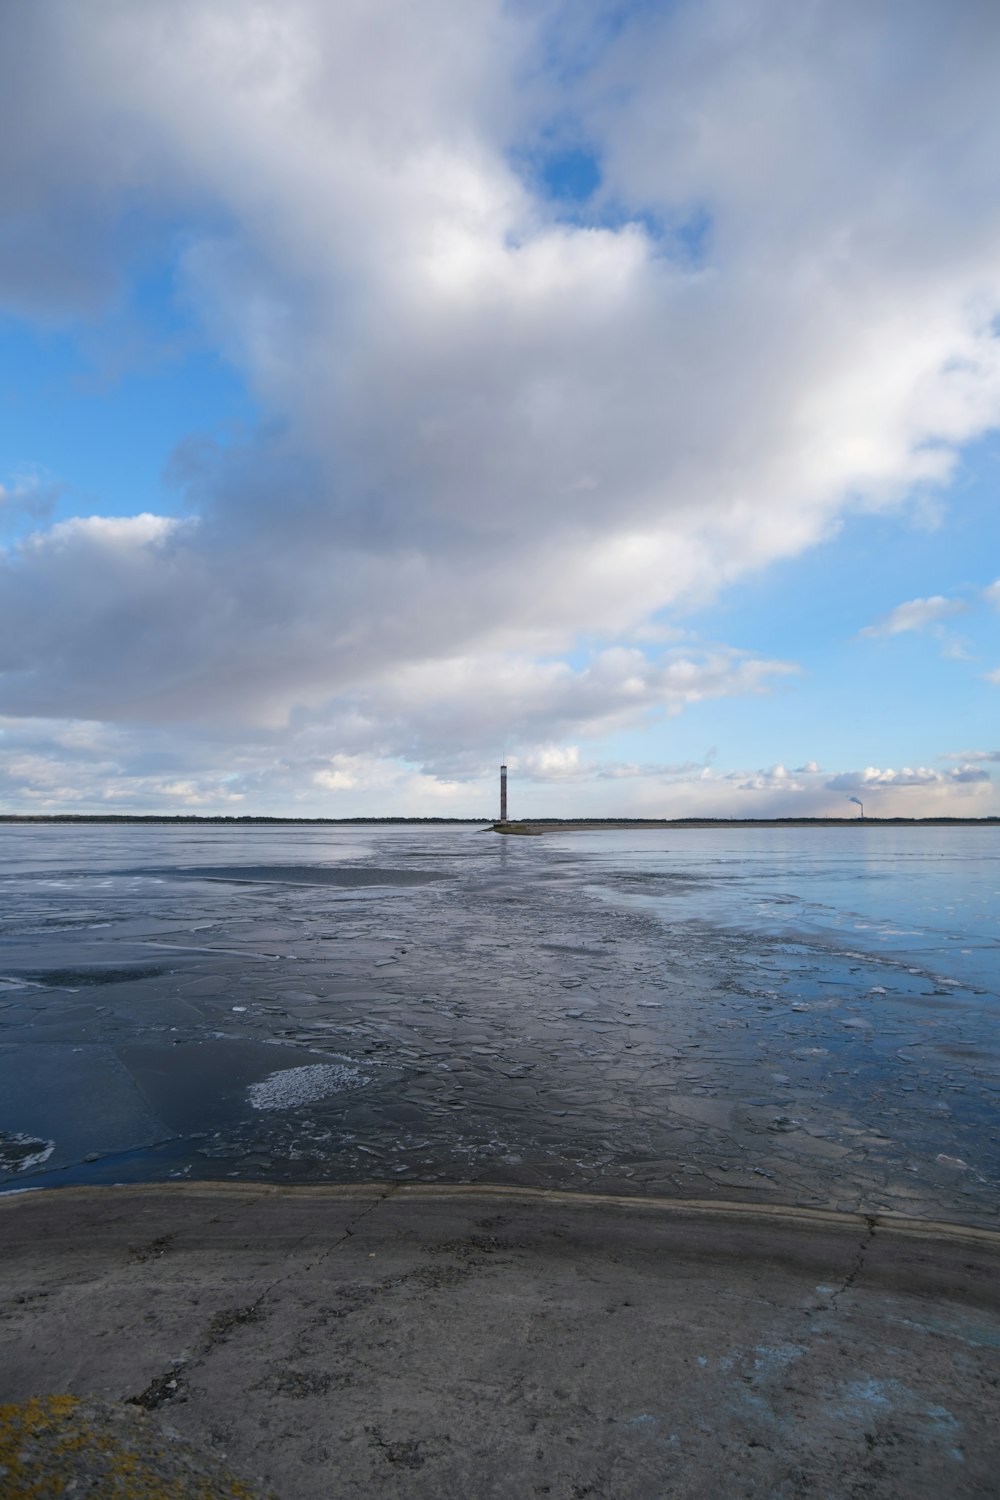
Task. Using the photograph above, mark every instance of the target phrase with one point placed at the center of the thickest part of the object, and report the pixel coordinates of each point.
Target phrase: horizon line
(488, 821)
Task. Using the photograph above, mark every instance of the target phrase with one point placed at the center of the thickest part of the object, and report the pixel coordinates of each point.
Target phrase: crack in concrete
(859, 1260)
(168, 1385)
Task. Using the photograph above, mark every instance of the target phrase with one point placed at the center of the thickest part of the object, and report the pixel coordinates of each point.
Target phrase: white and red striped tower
(503, 794)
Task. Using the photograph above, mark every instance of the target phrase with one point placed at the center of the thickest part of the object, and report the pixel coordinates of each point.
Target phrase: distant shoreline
(538, 825)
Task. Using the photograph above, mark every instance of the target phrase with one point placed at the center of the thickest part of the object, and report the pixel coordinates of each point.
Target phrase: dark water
(804, 1016)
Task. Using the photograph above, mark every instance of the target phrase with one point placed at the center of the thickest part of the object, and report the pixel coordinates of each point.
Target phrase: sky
(386, 390)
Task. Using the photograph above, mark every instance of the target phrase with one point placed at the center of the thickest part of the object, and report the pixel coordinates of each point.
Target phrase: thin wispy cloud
(915, 614)
(26, 500)
(872, 778)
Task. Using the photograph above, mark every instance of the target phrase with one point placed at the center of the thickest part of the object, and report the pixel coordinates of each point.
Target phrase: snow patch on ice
(293, 1086)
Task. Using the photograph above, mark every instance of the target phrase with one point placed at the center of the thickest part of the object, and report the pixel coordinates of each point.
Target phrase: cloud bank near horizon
(514, 422)
(79, 767)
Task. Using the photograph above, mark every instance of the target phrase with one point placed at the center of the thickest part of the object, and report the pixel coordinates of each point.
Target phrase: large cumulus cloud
(494, 421)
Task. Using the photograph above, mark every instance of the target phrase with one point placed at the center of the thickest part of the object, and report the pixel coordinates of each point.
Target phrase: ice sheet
(742, 1013)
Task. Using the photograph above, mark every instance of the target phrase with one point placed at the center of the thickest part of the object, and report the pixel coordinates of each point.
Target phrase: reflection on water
(800, 1015)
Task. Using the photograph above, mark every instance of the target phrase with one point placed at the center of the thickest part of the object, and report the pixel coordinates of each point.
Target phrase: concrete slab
(401, 1341)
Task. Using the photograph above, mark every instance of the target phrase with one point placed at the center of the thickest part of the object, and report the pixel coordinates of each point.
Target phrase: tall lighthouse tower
(503, 794)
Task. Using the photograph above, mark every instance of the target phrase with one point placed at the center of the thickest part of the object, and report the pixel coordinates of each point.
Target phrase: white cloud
(970, 757)
(491, 428)
(914, 615)
(993, 676)
(873, 779)
(656, 770)
(355, 772)
(552, 763)
(777, 778)
(192, 793)
(466, 705)
(558, 763)
(395, 788)
(103, 535)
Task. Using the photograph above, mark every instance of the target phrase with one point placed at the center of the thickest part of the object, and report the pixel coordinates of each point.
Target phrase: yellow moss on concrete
(56, 1445)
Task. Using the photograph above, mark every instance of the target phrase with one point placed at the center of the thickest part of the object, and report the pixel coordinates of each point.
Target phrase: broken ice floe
(19, 1152)
(294, 1086)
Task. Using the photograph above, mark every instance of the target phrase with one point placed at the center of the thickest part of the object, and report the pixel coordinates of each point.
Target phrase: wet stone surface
(796, 1016)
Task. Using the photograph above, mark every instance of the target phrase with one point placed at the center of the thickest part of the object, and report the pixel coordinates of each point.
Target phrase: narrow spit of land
(596, 825)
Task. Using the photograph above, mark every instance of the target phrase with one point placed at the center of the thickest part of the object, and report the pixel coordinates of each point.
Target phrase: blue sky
(581, 383)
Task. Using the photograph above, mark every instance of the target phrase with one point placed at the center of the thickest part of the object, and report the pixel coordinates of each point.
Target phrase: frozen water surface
(803, 1015)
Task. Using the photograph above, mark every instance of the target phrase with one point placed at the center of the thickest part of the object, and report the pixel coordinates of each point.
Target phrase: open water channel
(797, 1015)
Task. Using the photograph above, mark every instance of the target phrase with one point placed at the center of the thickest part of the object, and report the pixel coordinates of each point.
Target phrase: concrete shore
(483, 1342)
